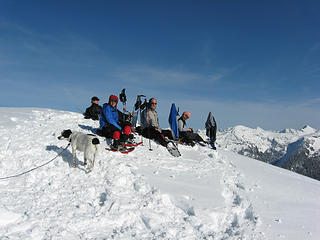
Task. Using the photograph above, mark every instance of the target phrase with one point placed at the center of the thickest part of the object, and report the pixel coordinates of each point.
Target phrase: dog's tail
(95, 141)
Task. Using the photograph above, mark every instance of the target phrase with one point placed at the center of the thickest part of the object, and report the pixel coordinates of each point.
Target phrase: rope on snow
(32, 169)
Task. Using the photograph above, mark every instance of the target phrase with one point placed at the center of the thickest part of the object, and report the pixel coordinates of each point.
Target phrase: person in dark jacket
(94, 110)
(113, 123)
(186, 134)
(211, 130)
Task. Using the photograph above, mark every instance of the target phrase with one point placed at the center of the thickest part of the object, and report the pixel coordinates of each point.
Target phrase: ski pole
(150, 149)
(140, 126)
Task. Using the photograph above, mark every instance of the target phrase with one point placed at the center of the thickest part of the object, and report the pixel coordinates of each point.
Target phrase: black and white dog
(89, 144)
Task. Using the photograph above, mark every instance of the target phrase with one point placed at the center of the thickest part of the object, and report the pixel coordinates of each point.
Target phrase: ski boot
(117, 146)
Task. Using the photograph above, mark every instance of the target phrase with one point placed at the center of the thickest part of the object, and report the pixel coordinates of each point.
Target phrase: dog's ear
(67, 133)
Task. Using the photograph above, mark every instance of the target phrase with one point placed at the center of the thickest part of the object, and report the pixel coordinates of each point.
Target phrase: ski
(121, 151)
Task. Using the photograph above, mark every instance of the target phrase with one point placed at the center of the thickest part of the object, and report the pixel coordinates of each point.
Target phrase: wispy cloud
(311, 65)
(43, 48)
(151, 75)
(145, 75)
(315, 47)
(10, 26)
(310, 103)
(221, 73)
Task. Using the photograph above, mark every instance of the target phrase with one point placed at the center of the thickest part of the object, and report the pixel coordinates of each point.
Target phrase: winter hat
(94, 98)
(188, 114)
(113, 97)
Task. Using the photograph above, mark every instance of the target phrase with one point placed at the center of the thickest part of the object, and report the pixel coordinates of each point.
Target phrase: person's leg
(160, 138)
(154, 134)
(116, 138)
(213, 132)
(186, 137)
(110, 131)
(125, 134)
(167, 133)
(196, 137)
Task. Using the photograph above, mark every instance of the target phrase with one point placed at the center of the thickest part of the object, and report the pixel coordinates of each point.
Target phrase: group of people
(115, 124)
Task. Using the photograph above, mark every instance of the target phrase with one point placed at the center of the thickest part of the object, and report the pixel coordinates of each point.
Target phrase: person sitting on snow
(150, 124)
(94, 110)
(113, 123)
(186, 134)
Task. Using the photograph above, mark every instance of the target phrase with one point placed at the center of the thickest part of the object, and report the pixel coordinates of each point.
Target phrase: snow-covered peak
(240, 137)
(313, 143)
(308, 130)
(289, 130)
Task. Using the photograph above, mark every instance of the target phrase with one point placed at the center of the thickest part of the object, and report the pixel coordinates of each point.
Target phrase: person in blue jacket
(113, 124)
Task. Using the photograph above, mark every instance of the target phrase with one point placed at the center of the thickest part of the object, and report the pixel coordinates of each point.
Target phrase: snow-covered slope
(204, 194)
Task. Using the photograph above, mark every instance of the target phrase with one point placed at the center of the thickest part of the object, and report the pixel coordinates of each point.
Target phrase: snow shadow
(291, 148)
(66, 155)
(89, 128)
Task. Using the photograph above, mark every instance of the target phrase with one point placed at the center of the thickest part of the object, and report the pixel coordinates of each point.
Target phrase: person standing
(211, 130)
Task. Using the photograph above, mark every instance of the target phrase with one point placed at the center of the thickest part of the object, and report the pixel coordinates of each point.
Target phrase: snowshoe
(121, 149)
(173, 149)
(131, 144)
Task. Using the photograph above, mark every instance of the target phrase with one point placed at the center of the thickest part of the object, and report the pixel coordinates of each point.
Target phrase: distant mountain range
(295, 150)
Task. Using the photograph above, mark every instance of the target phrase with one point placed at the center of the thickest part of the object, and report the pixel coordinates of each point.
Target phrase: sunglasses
(113, 100)
(154, 103)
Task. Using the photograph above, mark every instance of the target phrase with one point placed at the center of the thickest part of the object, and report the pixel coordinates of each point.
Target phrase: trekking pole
(141, 106)
(150, 149)
(140, 124)
(123, 99)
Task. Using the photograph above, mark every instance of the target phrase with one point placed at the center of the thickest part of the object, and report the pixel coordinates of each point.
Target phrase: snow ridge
(204, 194)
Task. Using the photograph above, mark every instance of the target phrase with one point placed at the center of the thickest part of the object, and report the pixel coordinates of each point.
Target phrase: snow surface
(203, 194)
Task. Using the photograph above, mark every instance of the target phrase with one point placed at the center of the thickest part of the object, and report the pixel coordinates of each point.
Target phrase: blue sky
(254, 63)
